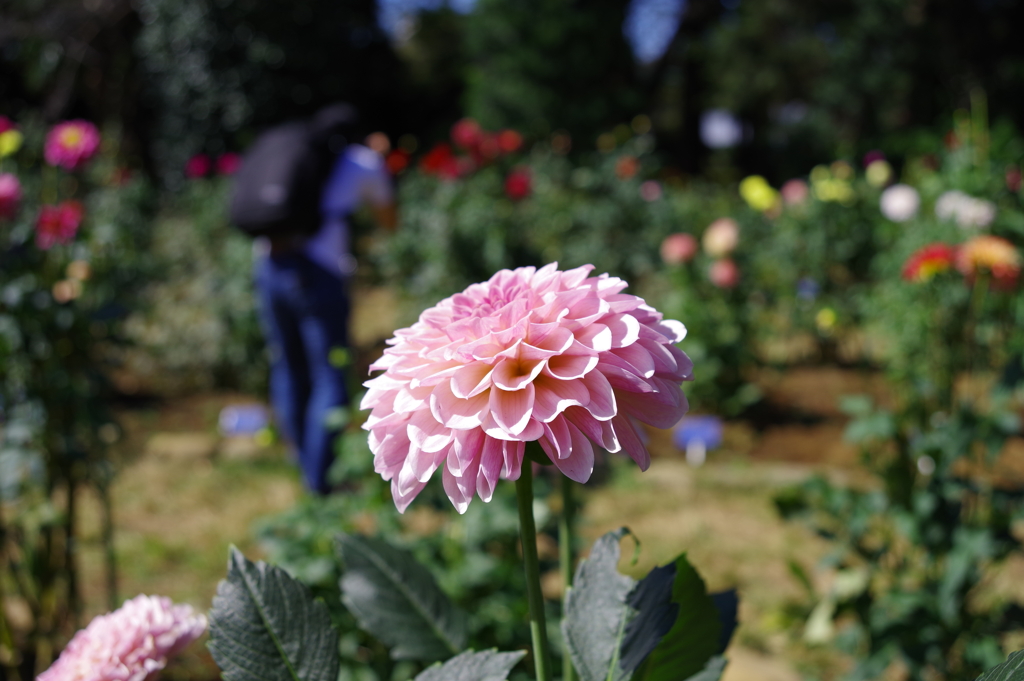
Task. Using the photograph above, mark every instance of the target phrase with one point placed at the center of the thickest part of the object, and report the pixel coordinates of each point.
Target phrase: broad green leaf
(655, 613)
(712, 671)
(596, 612)
(487, 665)
(1011, 670)
(398, 601)
(727, 603)
(694, 638)
(265, 626)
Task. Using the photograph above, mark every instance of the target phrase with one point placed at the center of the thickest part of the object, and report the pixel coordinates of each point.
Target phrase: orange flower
(626, 167)
(993, 254)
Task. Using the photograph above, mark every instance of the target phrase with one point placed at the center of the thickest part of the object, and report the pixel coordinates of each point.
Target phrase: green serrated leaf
(1011, 670)
(398, 601)
(265, 626)
(694, 639)
(596, 612)
(487, 665)
(712, 671)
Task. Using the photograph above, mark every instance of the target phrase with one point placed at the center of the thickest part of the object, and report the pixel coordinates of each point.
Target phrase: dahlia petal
(574, 277)
(557, 433)
(622, 379)
(392, 451)
(512, 454)
(471, 380)
(602, 397)
(554, 342)
(426, 433)
(409, 400)
(623, 302)
(652, 409)
(491, 460)
(453, 411)
(579, 465)
(512, 409)
(600, 432)
(567, 367)
(625, 329)
(685, 369)
(464, 452)
(664, 361)
(597, 337)
(631, 442)
(553, 396)
(673, 329)
(460, 491)
(403, 499)
(638, 358)
(516, 374)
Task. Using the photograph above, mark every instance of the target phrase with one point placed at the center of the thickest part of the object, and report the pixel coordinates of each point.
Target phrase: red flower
(678, 248)
(228, 164)
(6, 124)
(927, 261)
(466, 133)
(198, 166)
(397, 161)
(509, 141)
(58, 224)
(1013, 179)
(436, 159)
(517, 184)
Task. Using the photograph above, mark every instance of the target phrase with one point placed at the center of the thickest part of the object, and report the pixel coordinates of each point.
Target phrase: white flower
(968, 211)
(900, 202)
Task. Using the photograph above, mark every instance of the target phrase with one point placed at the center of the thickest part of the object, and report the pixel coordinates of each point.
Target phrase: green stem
(528, 536)
(565, 557)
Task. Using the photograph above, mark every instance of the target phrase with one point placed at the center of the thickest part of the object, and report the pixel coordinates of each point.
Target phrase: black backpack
(278, 186)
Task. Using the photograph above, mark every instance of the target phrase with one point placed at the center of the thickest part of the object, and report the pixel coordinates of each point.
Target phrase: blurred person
(302, 283)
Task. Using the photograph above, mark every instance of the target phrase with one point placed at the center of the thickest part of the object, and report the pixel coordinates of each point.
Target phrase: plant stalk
(566, 557)
(528, 536)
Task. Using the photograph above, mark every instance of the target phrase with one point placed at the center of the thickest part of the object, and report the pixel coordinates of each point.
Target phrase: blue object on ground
(807, 289)
(243, 419)
(706, 429)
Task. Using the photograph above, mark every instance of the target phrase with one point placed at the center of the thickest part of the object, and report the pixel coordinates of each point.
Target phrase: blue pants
(304, 311)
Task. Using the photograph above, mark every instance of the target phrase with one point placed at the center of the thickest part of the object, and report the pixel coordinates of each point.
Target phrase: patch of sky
(649, 27)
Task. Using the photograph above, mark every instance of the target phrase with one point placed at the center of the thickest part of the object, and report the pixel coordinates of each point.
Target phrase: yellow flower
(878, 173)
(758, 194)
(825, 320)
(10, 142)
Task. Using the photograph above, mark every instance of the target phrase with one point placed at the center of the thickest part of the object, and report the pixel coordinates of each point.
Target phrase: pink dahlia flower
(129, 644)
(558, 357)
(71, 144)
(10, 195)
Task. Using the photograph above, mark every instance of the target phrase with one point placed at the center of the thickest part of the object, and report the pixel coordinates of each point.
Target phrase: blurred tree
(217, 70)
(812, 80)
(65, 58)
(431, 46)
(540, 65)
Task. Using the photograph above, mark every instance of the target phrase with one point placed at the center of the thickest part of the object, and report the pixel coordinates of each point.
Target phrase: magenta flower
(71, 144)
(58, 224)
(10, 195)
(198, 166)
(228, 164)
(129, 644)
(562, 358)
